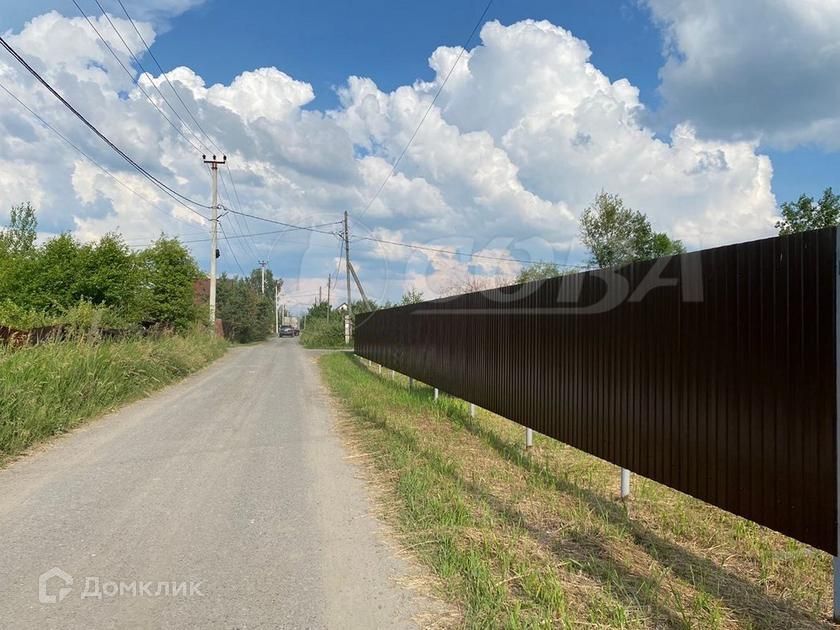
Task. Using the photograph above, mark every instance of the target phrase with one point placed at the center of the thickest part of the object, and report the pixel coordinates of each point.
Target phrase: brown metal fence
(712, 372)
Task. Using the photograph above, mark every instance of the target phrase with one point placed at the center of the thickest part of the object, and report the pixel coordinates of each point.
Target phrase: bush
(320, 333)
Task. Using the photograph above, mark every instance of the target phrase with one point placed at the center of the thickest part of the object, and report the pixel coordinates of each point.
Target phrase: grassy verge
(50, 388)
(539, 538)
(322, 334)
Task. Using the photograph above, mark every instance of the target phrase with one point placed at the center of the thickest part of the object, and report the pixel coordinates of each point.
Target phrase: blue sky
(537, 119)
(325, 42)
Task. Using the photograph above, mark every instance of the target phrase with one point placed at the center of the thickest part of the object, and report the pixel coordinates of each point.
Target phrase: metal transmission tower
(214, 231)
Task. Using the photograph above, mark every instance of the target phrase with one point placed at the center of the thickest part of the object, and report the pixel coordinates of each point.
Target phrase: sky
(705, 116)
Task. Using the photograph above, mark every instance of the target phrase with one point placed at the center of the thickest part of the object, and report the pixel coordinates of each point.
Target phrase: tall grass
(539, 538)
(53, 387)
(320, 333)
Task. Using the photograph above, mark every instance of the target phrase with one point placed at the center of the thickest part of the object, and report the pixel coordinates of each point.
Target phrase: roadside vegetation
(106, 285)
(53, 387)
(539, 538)
(85, 327)
(323, 327)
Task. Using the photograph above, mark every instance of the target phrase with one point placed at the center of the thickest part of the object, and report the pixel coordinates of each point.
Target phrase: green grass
(539, 538)
(322, 334)
(51, 388)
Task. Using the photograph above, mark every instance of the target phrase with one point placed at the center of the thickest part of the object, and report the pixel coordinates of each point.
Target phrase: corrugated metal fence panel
(717, 380)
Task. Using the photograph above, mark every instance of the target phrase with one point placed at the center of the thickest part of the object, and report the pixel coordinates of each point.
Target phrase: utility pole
(276, 309)
(347, 260)
(214, 231)
(262, 278)
(329, 286)
(320, 299)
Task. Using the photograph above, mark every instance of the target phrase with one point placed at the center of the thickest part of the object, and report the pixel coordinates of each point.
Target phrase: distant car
(286, 331)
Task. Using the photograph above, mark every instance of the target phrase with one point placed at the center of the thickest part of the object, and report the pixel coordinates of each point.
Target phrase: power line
(132, 77)
(166, 189)
(151, 54)
(88, 158)
(143, 70)
(290, 225)
(232, 253)
(236, 225)
(241, 224)
(456, 253)
(429, 109)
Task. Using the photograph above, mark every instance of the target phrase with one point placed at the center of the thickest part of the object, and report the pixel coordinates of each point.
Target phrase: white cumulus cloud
(525, 133)
(753, 68)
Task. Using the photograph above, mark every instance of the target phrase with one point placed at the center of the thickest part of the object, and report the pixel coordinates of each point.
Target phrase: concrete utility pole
(214, 231)
(347, 260)
(320, 301)
(329, 286)
(276, 310)
(262, 274)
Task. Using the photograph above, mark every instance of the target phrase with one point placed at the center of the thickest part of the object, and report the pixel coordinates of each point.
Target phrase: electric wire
(168, 190)
(152, 56)
(133, 78)
(90, 159)
(464, 254)
(291, 225)
(429, 109)
(234, 224)
(233, 253)
(143, 70)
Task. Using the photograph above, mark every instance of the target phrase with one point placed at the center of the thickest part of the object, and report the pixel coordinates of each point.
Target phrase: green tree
(167, 274)
(248, 315)
(616, 234)
(255, 280)
(805, 214)
(19, 237)
(109, 275)
(53, 275)
(412, 296)
(538, 271)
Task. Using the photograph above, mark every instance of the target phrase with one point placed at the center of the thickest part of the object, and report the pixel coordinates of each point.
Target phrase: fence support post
(437, 393)
(410, 382)
(380, 369)
(836, 559)
(472, 410)
(529, 438)
(836, 588)
(392, 375)
(625, 483)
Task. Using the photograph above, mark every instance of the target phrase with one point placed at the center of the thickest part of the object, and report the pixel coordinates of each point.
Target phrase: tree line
(104, 283)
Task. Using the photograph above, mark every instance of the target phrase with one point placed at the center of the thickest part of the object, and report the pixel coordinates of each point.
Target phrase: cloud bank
(525, 133)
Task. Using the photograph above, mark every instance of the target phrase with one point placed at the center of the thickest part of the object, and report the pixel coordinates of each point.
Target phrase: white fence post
(380, 369)
(472, 410)
(437, 393)
(529, 438)
(625, 483)
(392, 375)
